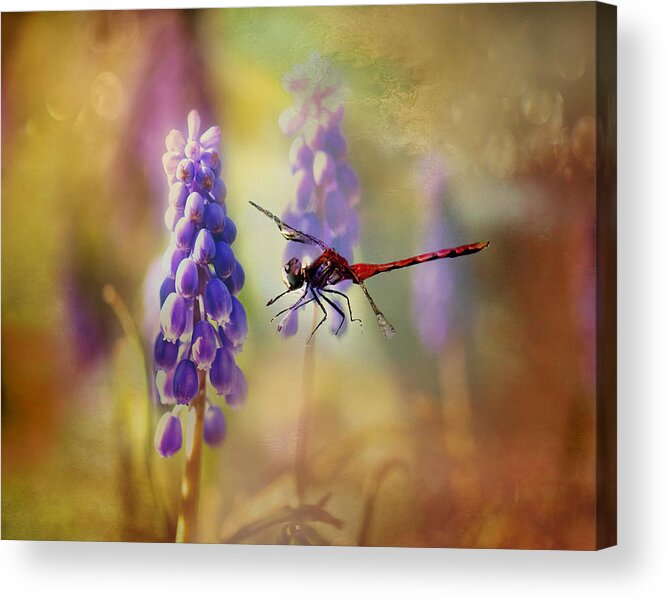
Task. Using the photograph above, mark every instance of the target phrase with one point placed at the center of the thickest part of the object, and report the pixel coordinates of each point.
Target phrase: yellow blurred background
(488, 442)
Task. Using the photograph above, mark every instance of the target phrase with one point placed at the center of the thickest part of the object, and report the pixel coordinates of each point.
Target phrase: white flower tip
(210, 139)
(193, 124)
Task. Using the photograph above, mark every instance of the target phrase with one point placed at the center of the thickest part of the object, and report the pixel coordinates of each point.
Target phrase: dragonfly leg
(323, 309)
(278, 297)
(294, 305)
(337, 310)
(351, 315)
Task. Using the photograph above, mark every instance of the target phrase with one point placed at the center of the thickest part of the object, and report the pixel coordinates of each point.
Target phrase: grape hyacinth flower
(326, 187)
(202, 323)
(432, 283)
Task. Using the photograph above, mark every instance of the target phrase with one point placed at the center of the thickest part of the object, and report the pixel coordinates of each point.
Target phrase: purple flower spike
(169, 435)
(223, 371)
(215, 427)
(236, 328)
(166, 353)
(237, 396)
(187, 278)
(192, 293)
(217, 300)
(194, 207)
(185, 382)
(204, 247)
(173, 317)
(224, 261)
(204, 345)
(326, 187)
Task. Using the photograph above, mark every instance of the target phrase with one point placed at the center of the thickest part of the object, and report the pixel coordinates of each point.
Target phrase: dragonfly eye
(293, 274)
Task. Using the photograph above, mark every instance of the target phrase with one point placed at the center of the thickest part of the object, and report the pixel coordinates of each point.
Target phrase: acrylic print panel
(248, 295)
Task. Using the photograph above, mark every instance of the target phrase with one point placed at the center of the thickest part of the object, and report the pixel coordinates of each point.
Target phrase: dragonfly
(316, 279)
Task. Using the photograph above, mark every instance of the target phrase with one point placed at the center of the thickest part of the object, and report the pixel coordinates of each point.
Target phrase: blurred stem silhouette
(371, 494)
(304, 417)
(131, 333)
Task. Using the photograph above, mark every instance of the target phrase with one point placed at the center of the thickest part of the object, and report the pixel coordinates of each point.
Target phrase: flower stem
(186, 529)
(304, 415)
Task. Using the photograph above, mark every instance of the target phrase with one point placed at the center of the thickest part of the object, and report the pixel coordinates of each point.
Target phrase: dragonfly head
(293, 274)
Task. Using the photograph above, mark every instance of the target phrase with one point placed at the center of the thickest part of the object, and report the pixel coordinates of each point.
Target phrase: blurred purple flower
(432, 283)
(199, 311)
(326, 187)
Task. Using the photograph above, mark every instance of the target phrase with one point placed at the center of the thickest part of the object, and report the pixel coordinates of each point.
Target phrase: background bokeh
(485, 439)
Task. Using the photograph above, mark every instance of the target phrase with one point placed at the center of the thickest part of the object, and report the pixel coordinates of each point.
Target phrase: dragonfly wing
(291, 233)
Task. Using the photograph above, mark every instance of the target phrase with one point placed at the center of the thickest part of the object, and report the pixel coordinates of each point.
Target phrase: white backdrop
(73, 570)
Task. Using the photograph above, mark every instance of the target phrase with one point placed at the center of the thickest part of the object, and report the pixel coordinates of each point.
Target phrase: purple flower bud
(164, 385)
(205, 179)
(169, 435)
(193, 150)
(204, 247)
(238, 394)
(315, 137)
(194, 207)
(336, 144)
(211, 159)
(348, 183)
(178, 195)
(323, 168)
(304, 188)
(236, 328)
(236, 280)
(215, 427)
(224, 261)
(204, 344)
(175, 141)
(172, 216)
(211, 137)
(228, 234)
(187, 278)
(300, 155)
(168, 287)
(219, 191)
(189, 321)
(172, 257)
(335, 209)
(217, 301)
(185, 382)
(184, 233)
(173, 317)
(165, 353)
(214, 218)
(185, 171)
(223, 371)
(170, 162)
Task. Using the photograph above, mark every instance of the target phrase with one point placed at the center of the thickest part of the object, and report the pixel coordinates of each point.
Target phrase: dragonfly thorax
(293, 274)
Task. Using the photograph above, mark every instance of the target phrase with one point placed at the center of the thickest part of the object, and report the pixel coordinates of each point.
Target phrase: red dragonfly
(330, 268)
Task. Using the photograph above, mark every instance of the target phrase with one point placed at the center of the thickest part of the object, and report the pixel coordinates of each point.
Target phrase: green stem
(186, 528)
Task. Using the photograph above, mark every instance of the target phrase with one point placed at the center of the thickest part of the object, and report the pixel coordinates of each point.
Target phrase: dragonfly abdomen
(363, 271)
